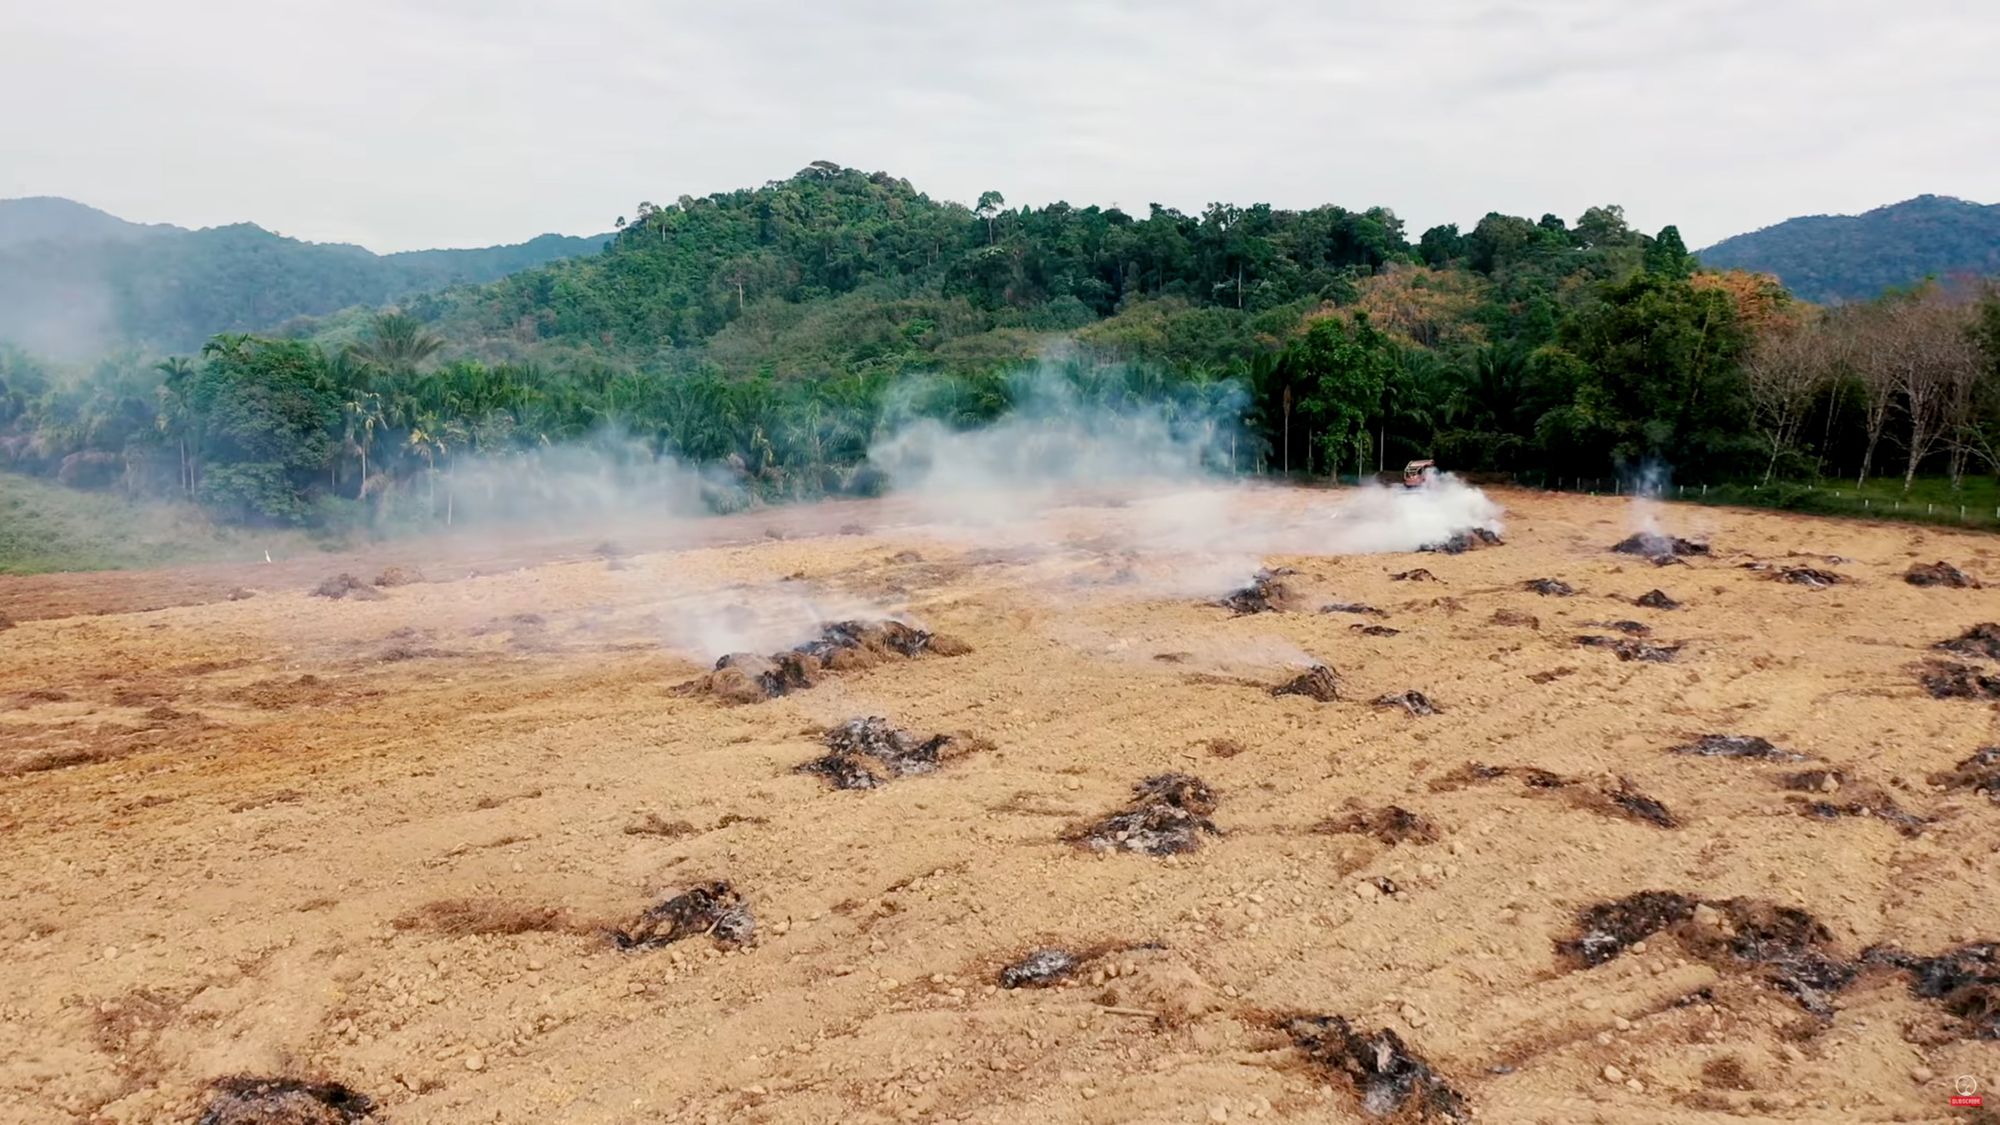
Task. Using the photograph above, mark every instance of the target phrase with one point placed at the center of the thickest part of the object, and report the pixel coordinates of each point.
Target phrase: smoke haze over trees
(771, 335)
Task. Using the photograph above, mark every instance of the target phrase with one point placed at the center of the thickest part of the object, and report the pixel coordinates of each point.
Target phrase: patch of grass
(48, 527)
(1975, 504)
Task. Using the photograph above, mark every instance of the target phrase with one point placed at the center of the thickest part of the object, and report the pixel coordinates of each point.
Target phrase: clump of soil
(461, 916)
(1516, 618)
(1551, 675)
(239, 594)
(1318, 682)
(745, 677)
(1629, 649)
(1353, 607)
(1812, 578)
(1979, 640)
(6, 623)
(653, 824)
(1549, 587)
(344, 586)
(1460, 542)
(1387, 1077)
(1225, 747)
(245, 1100)
(398, 576)
(1413, 701)
(1979, 773)
(1391, 824)
(1417, 575)
(1659, 548)
(1168, 815)
(1964, 981)
(1737, 746)
(1939, 573)
(1656, 599)
(710, 908)
(1040, 969)
(1948, 679)
(865, 753)
(1266, 593)
(1376, 630)
(1785, 944)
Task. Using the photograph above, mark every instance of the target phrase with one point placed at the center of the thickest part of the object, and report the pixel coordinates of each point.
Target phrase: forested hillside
(1827, 258)
(76, 283)
(773, 334)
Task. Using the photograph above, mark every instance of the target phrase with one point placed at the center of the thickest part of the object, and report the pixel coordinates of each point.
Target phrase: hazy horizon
(446, 124)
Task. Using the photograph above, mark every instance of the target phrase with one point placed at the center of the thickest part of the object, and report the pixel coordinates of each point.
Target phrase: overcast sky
(400, 124)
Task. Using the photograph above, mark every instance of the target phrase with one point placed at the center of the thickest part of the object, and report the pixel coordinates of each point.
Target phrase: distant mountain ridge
(77, 282)
(1828, 258)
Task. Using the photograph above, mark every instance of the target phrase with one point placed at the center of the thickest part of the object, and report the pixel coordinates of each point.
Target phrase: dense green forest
(1828, 258)
(76, 283)
(767, 334)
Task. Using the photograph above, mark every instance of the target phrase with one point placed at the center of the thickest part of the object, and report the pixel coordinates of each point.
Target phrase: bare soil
(236, 841)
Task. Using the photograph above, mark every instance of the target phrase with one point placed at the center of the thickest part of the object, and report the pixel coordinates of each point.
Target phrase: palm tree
(176, 414)
(396, 343)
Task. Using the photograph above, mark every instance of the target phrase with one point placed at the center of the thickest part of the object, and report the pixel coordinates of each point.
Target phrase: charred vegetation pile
(1459, 542)
(1939, 573)
(1782, 944)
(868, 753)
(714, 909)
(1391, 824)
(1267, 593)
(1319, 683)
(1168, 815)
(345, 585)
(1631, 648)
(1660, 550)
(246, 1100)
(1605, 796)
(1390, 1081)
(1656, 599)
(1831, 794)
(743, 677)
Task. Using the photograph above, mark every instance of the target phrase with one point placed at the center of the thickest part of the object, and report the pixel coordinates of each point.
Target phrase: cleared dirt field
(382, 842)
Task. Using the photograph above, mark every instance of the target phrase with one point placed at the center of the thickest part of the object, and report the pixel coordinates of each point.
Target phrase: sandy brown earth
(380, 842)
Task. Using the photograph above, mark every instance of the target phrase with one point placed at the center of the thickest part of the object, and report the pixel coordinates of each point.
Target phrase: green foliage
(1828, 258)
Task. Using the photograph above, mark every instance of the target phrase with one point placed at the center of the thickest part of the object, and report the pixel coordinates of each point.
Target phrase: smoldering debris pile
(1660, 549)
(715, 909)
(1376, 630)
(1939, 573)
(1040, 969)
(867, 753)
(1965, 982)
(345, 585)
(1627, 799)
(744, 677)
(1353, 607)
(1979, 773)
(1168, 815)
(1630, 648)
(1785, 945)
(1319, 683)
(1656, 599)
(1412, 701)
(247, 1100)
(1854, 799)
(1737, 746)
(1266, 593)
(1468, 539)
(1549, 587)
(1388, 1078)
(1391, 824)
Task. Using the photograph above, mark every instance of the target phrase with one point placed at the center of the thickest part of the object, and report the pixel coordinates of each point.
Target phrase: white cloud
(452, 122)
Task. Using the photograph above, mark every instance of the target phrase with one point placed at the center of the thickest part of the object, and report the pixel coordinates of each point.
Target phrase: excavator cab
(1418, 474)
